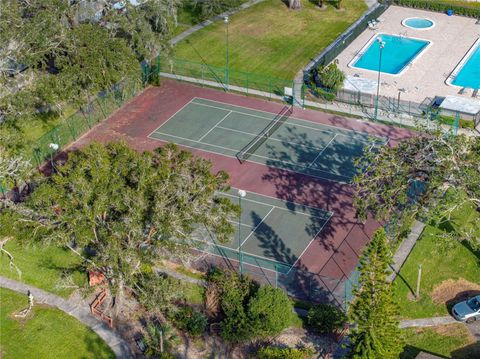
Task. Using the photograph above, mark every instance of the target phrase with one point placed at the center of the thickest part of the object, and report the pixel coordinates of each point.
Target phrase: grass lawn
(42, 266)
(45, 333)
(438, 264)
(269, 39)
(451, 341)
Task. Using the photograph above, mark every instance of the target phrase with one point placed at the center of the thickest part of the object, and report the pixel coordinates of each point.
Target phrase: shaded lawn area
(45, 333)
(450, 341)
(42, 267)
(269, 39)
(440, 261)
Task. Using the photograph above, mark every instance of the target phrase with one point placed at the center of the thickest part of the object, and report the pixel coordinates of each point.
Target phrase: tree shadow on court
(291, 275)
(343, 236)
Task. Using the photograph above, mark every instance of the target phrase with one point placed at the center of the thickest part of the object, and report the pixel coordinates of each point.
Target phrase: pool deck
(452, 37)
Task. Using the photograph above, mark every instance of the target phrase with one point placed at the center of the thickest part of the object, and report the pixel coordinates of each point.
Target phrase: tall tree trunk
(294, 4)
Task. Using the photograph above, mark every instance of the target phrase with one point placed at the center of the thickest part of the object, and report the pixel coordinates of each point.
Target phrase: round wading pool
(418, 23)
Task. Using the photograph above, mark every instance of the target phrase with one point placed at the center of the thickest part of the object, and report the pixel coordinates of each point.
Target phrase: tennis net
(260, 139)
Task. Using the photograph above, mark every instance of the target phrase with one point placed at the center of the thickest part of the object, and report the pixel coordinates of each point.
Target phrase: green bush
(326, 318)
(250, 312)
(441, 6)
(270, 311)
(191, 321)
(331, 77)
(284, 353)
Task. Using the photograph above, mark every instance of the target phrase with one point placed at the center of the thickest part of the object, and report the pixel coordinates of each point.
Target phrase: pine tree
(374, 310)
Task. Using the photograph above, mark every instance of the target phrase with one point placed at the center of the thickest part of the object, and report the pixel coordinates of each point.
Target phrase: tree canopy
(124, 211)
(431, 173)
(374, 310)
(71, 50)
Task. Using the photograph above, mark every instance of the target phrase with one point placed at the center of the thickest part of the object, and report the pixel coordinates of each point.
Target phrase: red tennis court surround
(334, 252)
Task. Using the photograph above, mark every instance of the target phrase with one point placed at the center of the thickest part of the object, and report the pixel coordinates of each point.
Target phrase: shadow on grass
(96, 347)
(411, 352)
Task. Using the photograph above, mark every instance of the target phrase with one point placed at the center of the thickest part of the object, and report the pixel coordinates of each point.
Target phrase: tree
(337, 4)
(331, 77)
(270, 310)
(326, 318)
(429, 174)
(159, 340)
(250, 312)
(294, 4)
(123, 211)
(374, 310)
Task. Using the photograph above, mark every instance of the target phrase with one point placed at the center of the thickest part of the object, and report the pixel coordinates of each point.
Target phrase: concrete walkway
(405, 248)
(200, 26)
(82, 313)
(427, 322)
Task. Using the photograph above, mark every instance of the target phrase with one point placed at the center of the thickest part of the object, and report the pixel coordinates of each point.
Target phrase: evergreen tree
(374, 310)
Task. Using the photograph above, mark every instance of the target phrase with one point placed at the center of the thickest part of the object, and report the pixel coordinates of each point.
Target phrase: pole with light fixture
(241, 194)
(54, 147)
(226, 20)
(382, 46)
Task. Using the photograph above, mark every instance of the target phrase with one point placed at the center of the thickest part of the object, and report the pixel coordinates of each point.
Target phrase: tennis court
(270, 234)
(273, 139)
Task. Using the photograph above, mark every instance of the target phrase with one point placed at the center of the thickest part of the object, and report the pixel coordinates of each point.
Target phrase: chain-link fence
(89, 115)
(296, 281)
(228, 79)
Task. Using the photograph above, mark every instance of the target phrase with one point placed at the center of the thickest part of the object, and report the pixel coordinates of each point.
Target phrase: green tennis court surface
(272, 235)
(302, 146)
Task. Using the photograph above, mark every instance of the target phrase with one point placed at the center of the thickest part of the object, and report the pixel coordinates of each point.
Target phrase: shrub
(331, 77)
(270, 310)
(441, 6)
(191, 321)
(326, 318)
(284, 353)
(250, 312)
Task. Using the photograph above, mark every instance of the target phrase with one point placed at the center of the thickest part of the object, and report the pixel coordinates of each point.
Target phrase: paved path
(82, 313)
(405, 248)
(427, 322)
(200, 26)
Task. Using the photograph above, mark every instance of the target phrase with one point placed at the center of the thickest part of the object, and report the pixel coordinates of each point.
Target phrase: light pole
(241, 194)
(225, 19)
(382, 45)
(54, 147)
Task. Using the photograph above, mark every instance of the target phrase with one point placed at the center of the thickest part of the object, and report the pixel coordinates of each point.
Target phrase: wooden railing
(94, 308)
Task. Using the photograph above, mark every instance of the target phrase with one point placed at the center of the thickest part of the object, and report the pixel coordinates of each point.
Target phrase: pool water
(469, 75)
(397, 53)
(418, 23)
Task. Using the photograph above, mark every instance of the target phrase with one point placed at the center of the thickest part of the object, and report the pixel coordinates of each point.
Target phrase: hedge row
(440, 7)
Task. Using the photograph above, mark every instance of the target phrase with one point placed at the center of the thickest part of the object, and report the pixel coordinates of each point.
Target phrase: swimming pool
(467, 73)
(418, 23)
(398, 53)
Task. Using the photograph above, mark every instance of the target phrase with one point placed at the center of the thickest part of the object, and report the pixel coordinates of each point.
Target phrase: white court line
(236, 223)
(273, 119)
(270, 138)
(155, 130)
(250, 159)
(280, 208)
(272, 261)
(271, 113)
(309, 243)
(219, 122)
(234, 150)
(277, 199)
(323, 150)
(256, 227)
